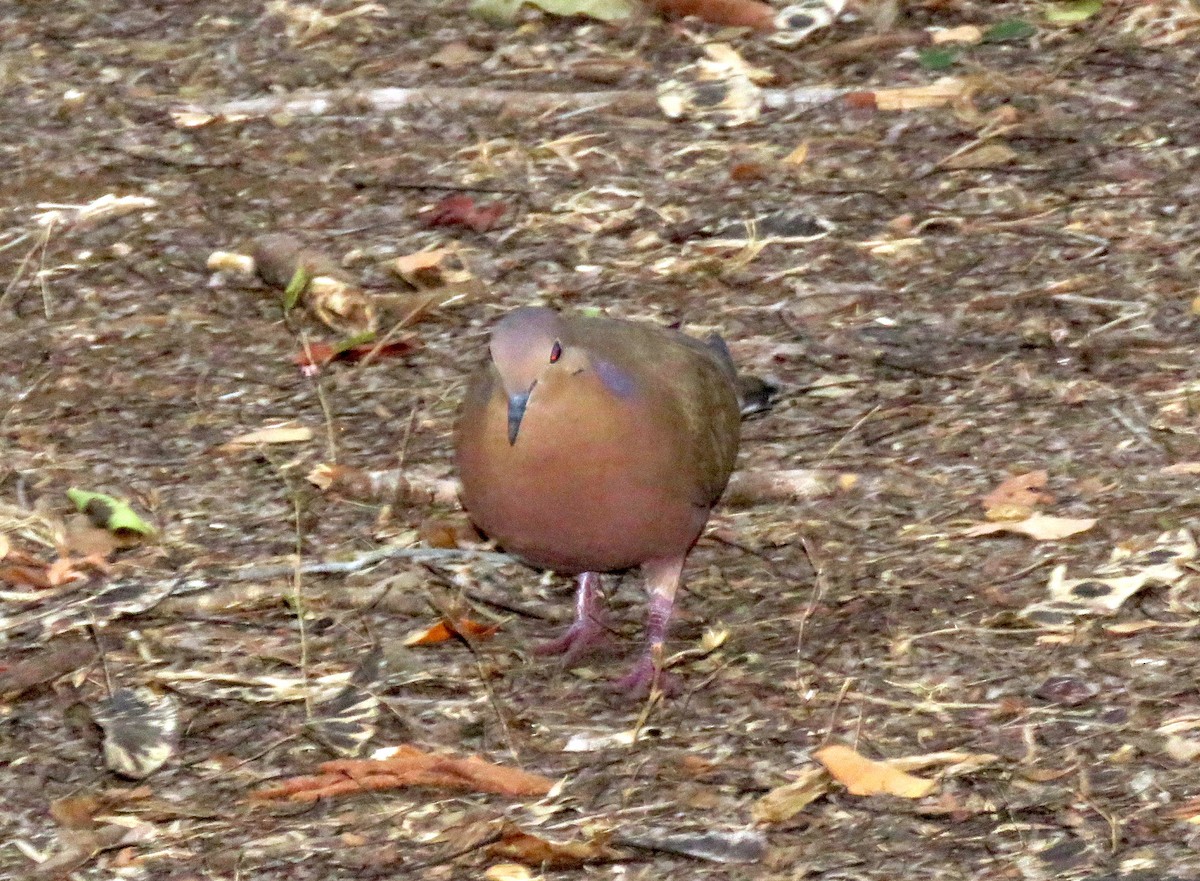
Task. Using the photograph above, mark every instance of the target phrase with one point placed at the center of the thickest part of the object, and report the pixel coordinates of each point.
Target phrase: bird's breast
(585, 487)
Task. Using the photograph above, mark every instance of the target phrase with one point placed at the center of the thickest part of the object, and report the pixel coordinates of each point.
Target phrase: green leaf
(295, 287)
(1072, 11)
(367, 336)
(108, 512)
(1008, 31)
(938, 58)
(504, 11)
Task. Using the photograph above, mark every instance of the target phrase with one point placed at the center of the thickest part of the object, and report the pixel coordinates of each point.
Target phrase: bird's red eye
(555, 351)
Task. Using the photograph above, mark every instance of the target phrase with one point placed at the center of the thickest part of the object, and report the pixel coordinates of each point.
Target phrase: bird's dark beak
(516, 412)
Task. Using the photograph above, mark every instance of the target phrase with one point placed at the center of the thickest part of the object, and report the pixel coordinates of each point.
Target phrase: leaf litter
(1008, 288)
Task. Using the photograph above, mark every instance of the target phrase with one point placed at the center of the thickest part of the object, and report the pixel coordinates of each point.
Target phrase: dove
(590, 444)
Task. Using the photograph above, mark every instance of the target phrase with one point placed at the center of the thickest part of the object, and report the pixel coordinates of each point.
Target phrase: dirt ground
(1028, 308)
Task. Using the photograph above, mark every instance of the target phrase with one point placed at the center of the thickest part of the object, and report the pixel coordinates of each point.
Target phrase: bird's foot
(585, 637)
(647, 675)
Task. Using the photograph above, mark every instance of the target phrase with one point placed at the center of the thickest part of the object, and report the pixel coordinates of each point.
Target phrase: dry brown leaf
(436, 268)
(863, 776)
(408, 265)
(989, 155)
(936, 94)
(5, 546)
(508, 872)
(1188, 812)
(956, 762)
(1182, 749)
(754, 487)
(77, 811)
(80, 537)
(276, 434)
(456, 54)
(1181, 468)
(1041, 527)
(1045, 775)
(1129, 628)
(341, 306)
(798, 156)
(392, 486)
(784, 802)
(967, 33)
(516, 844)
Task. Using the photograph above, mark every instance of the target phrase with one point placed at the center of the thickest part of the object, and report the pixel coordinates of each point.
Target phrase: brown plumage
(589, 445)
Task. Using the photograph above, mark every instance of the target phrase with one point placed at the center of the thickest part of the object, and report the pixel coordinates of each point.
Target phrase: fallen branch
(460, 100)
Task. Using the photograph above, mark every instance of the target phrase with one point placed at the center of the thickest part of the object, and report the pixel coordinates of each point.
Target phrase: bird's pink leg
(662, 580)
(587, 632)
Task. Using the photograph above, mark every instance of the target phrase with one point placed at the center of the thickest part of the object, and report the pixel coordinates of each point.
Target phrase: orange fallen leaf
(408, 766)
(448, 532)
(443, 631)
(26, 576)
(519, 846)
(77, 811)
(863, 776)
(1020, 493)
(67, 569)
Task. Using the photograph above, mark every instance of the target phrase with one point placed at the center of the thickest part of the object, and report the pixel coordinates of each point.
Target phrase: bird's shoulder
(654, 355)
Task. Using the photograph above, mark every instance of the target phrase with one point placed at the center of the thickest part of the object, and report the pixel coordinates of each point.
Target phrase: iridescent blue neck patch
(615, 379)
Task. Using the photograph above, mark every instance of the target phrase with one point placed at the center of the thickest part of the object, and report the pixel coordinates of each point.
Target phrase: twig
(493, 701)
(363, 561)
(813, 599)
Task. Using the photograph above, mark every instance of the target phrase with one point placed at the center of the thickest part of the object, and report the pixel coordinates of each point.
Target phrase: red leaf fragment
(461, 210)
(731, 13)
(320, 354)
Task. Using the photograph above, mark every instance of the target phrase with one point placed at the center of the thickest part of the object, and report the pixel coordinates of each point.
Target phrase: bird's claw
(585, 637)
(645, 676)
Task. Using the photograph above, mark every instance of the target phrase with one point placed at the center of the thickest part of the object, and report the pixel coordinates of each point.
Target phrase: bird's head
(530, 349)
